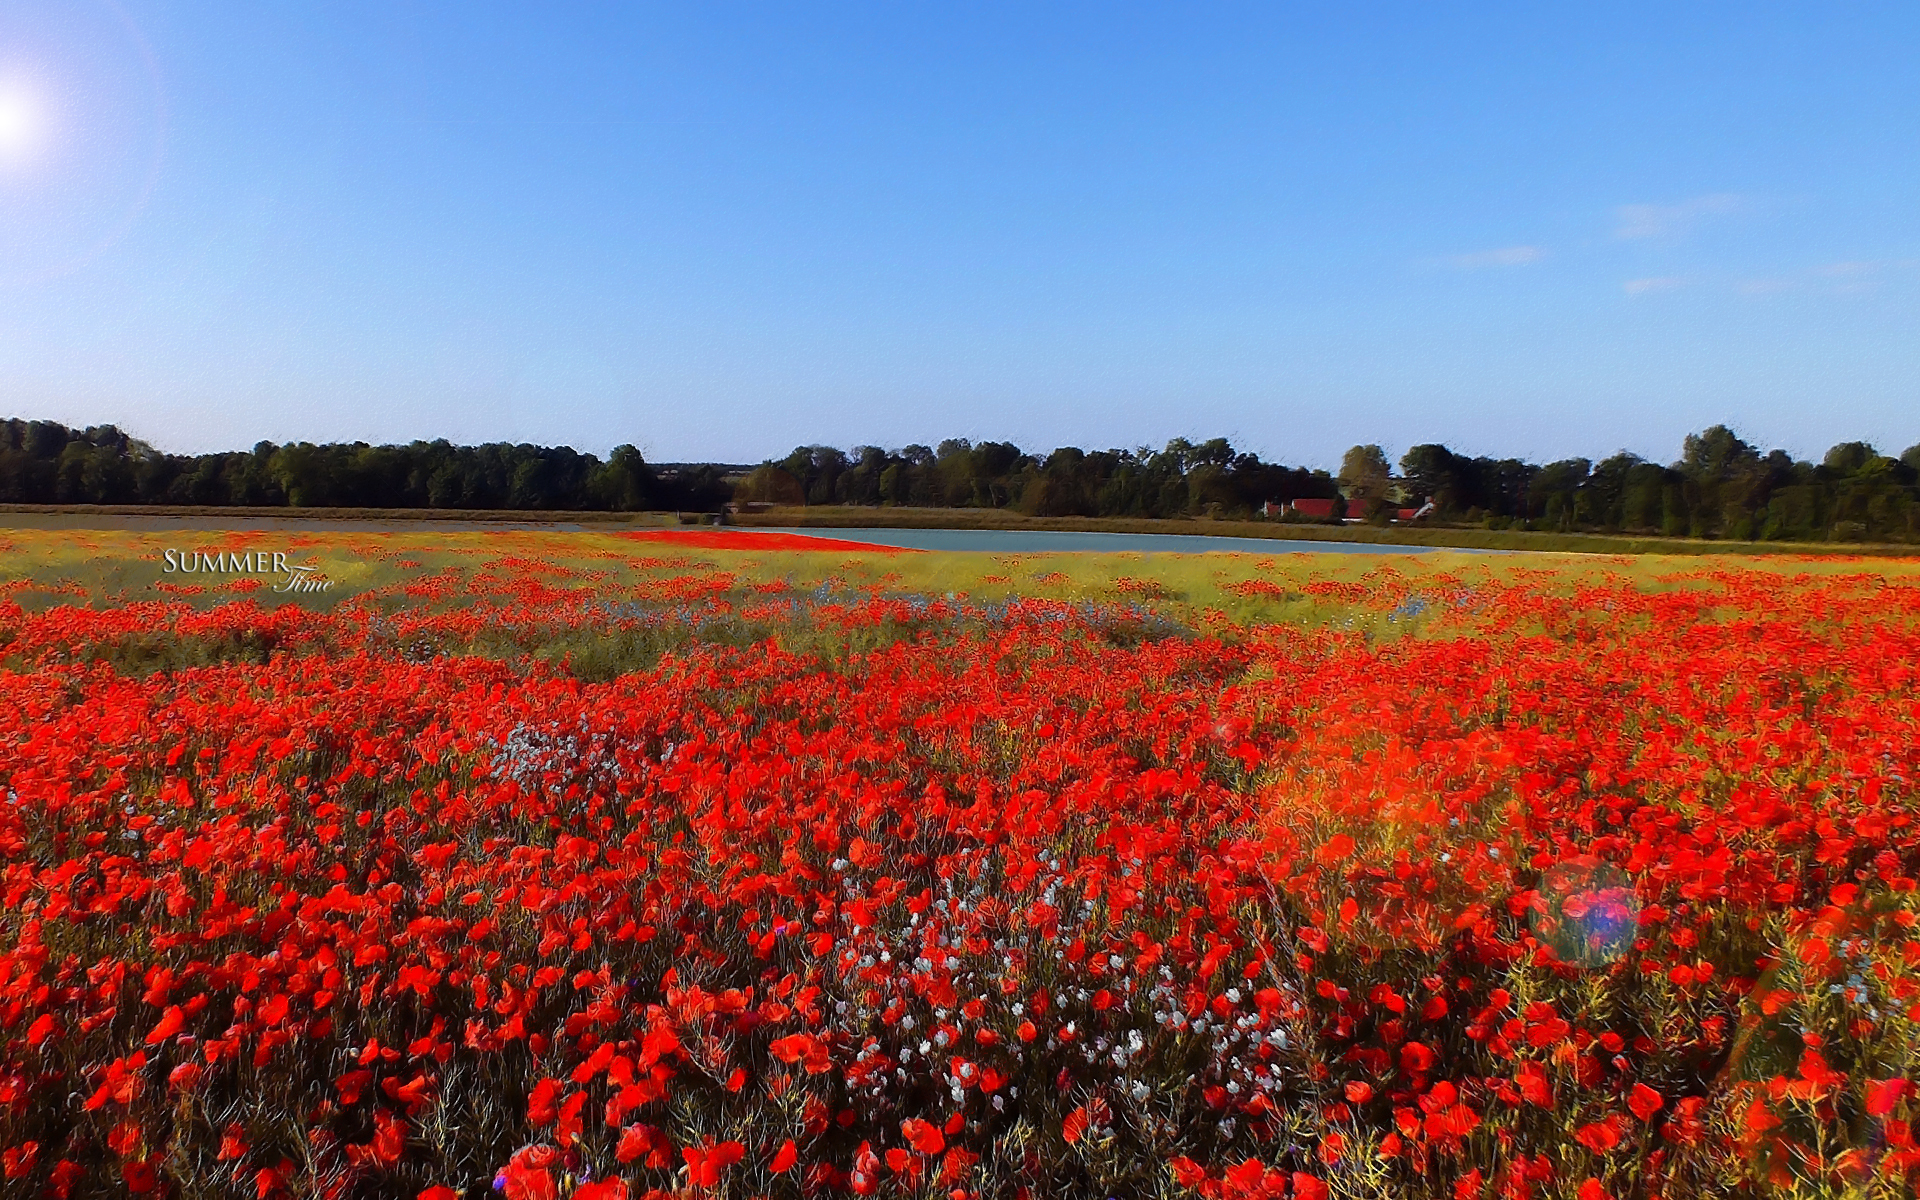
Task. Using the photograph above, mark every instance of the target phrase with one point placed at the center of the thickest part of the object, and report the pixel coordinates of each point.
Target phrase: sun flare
(22, 123)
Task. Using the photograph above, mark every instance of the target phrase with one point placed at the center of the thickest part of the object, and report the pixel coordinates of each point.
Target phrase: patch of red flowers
(1587, 891)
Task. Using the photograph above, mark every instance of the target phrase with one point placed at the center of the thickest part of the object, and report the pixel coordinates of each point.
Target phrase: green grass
(1133, 595)
(112, 567)
(212, 515)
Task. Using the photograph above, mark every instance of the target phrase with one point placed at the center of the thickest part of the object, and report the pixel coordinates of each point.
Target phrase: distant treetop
(1720, 486)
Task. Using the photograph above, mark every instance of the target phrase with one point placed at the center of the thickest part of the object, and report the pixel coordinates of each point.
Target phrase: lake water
(1040, 541)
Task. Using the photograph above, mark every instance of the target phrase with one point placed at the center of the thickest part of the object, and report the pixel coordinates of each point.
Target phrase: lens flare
(82, 134)
(1588, 911)
(23, 123)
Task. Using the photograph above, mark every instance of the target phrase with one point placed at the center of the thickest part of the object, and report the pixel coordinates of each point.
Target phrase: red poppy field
(528, 870)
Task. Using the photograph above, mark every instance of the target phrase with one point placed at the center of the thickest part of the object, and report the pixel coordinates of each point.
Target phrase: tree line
(1720, 487)
(43, 462)
(1183, 479)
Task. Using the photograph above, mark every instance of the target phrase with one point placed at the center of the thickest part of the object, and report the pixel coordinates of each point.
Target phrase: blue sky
(721, 230)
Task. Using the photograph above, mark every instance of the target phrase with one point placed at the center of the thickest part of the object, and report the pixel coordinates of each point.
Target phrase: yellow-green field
(107, 567)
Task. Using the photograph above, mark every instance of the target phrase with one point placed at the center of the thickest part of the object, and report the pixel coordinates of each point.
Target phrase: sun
(23, 123)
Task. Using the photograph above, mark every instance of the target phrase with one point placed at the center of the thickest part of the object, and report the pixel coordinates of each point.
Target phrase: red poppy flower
(707, 1165)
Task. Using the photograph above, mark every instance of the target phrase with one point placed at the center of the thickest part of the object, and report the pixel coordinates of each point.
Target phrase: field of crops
(626, 865)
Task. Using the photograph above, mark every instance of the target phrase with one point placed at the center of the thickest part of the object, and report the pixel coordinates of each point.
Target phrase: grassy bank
(39, 568)
(106, 516)
(849, 517)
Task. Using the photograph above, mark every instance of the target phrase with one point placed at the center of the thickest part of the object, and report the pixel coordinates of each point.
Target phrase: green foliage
(43, 462)
(1721, 487)
(1184, 479)
(1365, 474)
